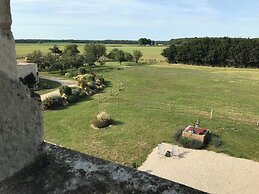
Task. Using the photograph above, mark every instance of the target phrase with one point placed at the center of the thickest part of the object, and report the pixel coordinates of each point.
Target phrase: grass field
(150, 53)
(155, 101)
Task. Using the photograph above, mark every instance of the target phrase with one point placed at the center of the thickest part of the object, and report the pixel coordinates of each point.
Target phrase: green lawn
(155, 101)
(52, 86)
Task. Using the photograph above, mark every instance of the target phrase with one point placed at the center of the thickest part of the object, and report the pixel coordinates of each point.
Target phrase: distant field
(156, 100)
(150, 53)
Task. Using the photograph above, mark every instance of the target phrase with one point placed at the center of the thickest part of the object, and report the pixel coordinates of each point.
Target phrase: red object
(201, 131)
(190, 129)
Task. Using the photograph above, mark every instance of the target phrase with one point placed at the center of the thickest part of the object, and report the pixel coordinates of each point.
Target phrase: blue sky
(132, 19)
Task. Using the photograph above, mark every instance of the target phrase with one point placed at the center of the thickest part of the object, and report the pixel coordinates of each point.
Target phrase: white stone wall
(21, 132)
(25, 69)
(7, 45)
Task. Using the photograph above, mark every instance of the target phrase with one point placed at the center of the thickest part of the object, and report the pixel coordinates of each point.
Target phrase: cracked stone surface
(62, 170)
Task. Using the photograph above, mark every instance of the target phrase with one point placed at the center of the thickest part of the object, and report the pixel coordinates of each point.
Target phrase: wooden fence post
(211, 114)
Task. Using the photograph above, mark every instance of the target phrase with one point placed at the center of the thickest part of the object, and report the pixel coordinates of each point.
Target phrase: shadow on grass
(116, 123)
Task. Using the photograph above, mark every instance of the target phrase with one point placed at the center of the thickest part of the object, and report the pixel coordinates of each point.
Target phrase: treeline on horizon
(221, 52)
(42, 41)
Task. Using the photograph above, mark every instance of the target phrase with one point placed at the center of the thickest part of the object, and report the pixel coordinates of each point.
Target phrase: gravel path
(62, 81)
(207, 171)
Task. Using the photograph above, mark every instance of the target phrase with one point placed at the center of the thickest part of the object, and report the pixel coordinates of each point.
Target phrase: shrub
(99, 78)
(52, 102)
(72, 98)
(102, 120)
(91, 85)
(191, 143)
(178, 134)
(65, 90)
(81, 71)
(76, 91)
(47, 103)
(215, 140)
(30, 80)
(90, 78)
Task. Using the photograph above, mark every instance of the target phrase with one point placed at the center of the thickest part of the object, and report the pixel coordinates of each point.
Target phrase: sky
(133, 19)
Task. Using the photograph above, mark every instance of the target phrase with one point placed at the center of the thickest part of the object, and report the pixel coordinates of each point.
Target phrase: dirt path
(207, 171)
(62, 81)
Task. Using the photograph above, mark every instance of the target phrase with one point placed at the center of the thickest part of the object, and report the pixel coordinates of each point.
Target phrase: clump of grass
(102, 120)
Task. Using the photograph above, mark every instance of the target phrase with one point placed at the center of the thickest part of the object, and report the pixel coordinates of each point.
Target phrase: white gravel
(205, 170)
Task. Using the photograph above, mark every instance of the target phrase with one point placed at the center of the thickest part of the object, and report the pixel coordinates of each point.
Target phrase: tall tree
(56, 50)
(137, 54)
(71, 50)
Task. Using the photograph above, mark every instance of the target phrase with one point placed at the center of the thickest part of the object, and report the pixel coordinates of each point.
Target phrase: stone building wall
(20, 114)
(7, 45)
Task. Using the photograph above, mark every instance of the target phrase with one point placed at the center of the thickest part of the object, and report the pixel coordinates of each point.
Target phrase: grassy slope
(143, 123)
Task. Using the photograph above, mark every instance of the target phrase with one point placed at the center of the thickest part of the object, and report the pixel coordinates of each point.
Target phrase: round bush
(72, 98)
(65, 90)
(191, 143)
(102, 120)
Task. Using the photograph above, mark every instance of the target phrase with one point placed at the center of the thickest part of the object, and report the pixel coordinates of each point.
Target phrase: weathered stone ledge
(62, 170)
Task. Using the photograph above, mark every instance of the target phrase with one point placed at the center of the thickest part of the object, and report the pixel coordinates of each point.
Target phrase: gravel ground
(205, 170)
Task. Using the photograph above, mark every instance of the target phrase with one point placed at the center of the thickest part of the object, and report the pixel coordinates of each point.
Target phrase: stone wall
(7, 45)
(20, 114)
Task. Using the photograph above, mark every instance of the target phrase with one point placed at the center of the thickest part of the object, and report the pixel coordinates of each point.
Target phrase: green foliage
(56, 50)
(222, 52)
(215, 140)
(81, 71)
(191, 143)
(102, 120)
(65, 90)
(119, 56)
(112, 54)
(36, 57)
(93, 53)
(137, 54)
(178, 134)
(30, 80)
(72, 99)
(145, 41)
(71, 50)
(71, 73)
(52, 102)
(128, 57)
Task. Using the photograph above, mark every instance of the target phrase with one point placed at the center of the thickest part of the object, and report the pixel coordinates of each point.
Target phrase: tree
(145, 41)
(128, 57)
(90, 59)
(112, 53)
(98, 50)
(71, 50)
(36, 57)
(119, 56)
(93, 53)
(55, 50)
(137, 54)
